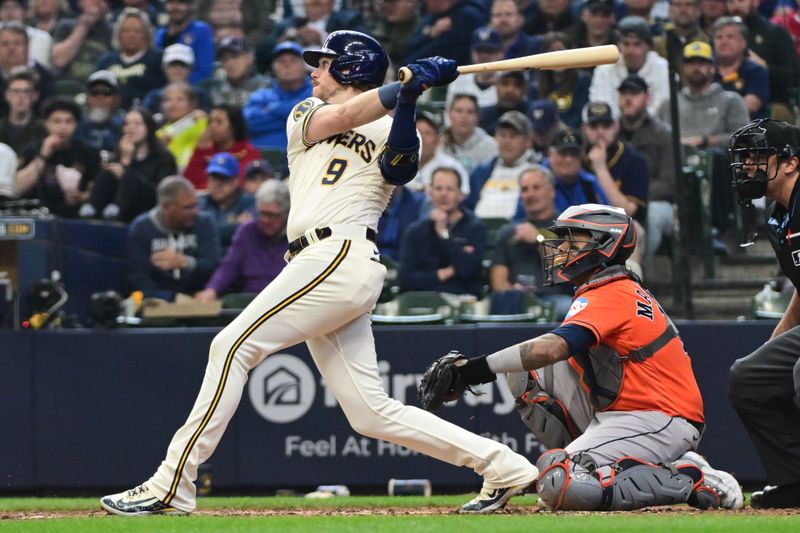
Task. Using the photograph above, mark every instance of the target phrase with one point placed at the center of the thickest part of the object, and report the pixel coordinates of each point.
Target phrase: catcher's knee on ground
(546, 417)
(623, 486)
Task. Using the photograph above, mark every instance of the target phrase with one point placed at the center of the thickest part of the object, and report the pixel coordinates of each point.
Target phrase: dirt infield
(384, 511)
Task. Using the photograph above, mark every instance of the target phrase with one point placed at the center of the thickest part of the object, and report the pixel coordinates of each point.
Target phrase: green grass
(650, 522)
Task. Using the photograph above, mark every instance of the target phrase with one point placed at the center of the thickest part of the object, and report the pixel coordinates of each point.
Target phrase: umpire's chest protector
(784, 236)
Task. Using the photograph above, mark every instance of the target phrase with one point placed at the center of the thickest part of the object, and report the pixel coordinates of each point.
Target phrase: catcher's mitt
(442, 381)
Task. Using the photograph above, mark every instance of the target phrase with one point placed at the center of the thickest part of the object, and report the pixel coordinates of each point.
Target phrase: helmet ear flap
(627, 243)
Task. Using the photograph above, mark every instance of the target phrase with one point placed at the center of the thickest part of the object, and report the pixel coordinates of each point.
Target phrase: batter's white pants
(324, 297)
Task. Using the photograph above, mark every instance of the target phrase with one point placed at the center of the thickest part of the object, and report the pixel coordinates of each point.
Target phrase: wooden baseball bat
(575, 58)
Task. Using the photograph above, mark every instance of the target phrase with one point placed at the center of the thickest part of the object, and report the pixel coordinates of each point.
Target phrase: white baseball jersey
(336, 180)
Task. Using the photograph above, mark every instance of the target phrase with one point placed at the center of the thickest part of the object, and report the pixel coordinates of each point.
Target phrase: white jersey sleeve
(298, 119)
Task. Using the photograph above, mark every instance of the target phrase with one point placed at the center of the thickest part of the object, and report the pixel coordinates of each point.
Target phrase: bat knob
(404, 75)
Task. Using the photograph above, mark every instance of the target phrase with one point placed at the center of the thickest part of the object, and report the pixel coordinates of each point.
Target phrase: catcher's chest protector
(602, 368)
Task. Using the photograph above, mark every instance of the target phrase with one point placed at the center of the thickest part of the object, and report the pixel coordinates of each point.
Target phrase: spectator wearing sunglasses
(102, 120)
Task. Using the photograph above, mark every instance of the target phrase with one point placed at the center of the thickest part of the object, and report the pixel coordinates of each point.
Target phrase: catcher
(610, 392)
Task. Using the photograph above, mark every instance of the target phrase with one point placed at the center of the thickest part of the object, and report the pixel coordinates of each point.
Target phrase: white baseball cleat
(137, 502)
(490, 500)
(725, 485)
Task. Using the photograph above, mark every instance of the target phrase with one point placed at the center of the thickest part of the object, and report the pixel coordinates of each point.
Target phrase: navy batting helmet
(612, 237)
(357, 58)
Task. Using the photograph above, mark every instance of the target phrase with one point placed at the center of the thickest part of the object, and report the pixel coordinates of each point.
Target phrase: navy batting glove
(446, 69)
(428, 72)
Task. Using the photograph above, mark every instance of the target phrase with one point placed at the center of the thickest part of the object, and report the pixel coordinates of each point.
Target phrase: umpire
(764, 387)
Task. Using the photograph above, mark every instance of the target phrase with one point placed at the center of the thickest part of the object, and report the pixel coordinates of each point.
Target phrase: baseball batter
(345, 157)
(611, 390)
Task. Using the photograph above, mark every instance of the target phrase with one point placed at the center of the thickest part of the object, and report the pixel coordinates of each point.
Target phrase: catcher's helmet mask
(751, 148)
(356, 58)
(609, 237)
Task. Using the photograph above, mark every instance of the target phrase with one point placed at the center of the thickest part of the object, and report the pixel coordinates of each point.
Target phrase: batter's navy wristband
(388, 94)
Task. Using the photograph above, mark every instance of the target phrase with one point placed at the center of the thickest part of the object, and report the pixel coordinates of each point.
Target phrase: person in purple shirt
(256, 254)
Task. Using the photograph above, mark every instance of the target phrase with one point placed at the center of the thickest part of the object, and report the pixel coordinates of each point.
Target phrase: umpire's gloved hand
(428, 72)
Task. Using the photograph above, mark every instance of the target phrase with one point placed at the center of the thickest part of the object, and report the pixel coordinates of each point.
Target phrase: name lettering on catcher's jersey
(644, 308)
(362, 146)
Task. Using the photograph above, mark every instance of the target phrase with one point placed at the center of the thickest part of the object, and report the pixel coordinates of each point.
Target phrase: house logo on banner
(282, 388)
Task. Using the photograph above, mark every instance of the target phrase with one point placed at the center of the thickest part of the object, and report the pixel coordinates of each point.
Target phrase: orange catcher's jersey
(625, 317)
(336, 180)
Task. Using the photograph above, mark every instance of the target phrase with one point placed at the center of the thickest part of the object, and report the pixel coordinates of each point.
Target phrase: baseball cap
(567, 139)
(178, 52)
(520, 76)
(543, 115)
(223, 164)
(258, 165)
(516, 121)
(595, 112)
(698, 50)
(232, 44)
(486, 39)
(103, 76)
(633, 83)
(430, 118)
(290, 47)
(606, 6)
(637, 27)
(779, 134)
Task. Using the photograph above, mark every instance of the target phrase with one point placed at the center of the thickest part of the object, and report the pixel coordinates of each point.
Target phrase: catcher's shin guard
(628, 484)
(546, 417)
(562, 486)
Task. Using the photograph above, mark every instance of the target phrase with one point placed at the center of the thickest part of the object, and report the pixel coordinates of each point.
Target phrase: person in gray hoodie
(172, 248)
(708, 115)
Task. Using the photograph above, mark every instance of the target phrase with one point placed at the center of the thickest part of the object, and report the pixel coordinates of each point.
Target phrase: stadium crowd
(106, 102)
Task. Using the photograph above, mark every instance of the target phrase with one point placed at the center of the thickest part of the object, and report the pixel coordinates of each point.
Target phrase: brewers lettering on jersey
(337, 179)
(345, 158)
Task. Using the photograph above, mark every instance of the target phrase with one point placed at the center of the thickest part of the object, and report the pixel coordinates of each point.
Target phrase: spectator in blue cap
(267, 109)
(256, 173)
(487, 46)
(240, 78)
(225, 201)
(545, 124)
